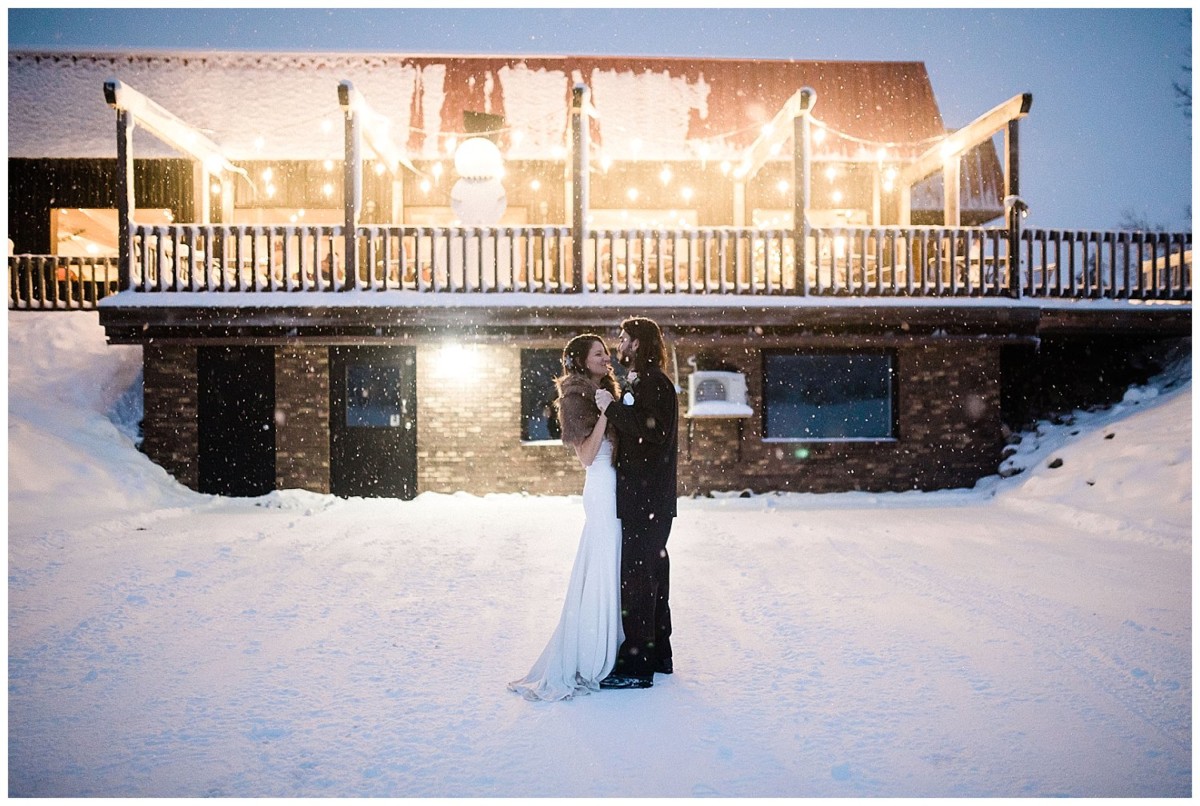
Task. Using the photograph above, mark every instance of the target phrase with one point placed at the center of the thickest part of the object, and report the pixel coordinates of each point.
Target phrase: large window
(539, 368)
(828, 396)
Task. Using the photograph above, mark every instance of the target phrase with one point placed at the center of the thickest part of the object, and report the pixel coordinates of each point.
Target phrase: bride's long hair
(574, 361)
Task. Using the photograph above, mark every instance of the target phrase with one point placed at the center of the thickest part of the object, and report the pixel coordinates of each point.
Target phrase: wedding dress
(583, 648)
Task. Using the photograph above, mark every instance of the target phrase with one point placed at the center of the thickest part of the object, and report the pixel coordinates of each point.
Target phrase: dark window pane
(373, 396)
(539, 368)
(828, 396)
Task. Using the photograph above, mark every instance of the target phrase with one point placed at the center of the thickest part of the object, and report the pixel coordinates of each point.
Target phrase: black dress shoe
(621, 681)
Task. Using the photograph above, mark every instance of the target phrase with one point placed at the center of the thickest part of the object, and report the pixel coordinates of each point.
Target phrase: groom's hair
(651, 352)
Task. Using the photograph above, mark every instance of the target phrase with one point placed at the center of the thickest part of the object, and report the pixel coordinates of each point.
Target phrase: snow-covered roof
(285, 105)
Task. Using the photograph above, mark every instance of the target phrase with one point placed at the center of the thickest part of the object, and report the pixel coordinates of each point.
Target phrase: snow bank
(1029, 637)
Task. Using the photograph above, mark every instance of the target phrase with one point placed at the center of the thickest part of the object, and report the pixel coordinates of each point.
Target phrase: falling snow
(1028, 637)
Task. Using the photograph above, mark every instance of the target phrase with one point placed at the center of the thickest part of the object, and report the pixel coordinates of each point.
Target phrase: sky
(1027, 637)
(1105, 142)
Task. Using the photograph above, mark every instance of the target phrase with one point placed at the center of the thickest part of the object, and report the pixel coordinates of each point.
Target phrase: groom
(646, 419)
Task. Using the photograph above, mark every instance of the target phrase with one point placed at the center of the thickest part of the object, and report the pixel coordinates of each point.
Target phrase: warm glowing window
(92, 232)
(642, 219)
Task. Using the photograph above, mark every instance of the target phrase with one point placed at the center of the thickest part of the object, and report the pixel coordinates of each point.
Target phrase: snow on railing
(54, 282)
(850, 261)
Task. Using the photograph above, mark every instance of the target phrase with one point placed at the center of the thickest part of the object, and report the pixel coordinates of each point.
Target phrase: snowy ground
(1029, 637)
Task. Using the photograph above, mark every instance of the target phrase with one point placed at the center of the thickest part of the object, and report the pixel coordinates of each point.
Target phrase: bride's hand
(603, 398)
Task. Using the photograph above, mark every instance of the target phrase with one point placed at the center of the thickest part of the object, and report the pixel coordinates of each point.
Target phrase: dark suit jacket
(647, 449)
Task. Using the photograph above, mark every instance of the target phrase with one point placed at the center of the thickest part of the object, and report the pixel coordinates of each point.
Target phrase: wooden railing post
(579, 183)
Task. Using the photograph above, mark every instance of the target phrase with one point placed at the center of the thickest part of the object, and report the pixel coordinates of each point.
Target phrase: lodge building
(354, 273)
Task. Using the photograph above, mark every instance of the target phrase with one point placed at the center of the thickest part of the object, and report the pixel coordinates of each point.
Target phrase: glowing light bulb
(632, 194)
(328, 165)
(327, 189)
(818, 135)
(426, 185)
(831, 173)
(268, 174)
(535, 185)
(837, 197)
(783, 186)
(686, 193)
(665, 175)
(725, 167)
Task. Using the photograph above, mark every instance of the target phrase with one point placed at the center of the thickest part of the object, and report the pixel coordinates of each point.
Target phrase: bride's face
(598, 361)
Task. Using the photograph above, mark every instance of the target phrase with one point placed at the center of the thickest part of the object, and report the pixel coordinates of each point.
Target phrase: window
(373, 396)
(539, 368)
(823, 396)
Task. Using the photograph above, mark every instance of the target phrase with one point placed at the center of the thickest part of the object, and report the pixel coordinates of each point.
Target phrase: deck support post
(1014, 207)
(802, 183)
(125, 197)
(579, 183)
(351, 178)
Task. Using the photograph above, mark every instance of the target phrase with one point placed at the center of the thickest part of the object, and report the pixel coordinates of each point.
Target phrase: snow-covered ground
(1029, 637)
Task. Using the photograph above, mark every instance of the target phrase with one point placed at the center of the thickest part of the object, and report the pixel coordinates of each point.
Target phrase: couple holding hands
(615, 628)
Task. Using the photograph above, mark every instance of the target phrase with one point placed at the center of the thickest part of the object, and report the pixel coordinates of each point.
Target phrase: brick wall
(302, 418)
(469, 427)
(948, 433)
(170, 432)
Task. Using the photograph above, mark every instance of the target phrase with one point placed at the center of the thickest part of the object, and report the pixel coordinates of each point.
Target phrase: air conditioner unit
(717, 394)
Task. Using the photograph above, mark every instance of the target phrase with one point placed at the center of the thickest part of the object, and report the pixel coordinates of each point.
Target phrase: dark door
(373, 421)
(236, 420)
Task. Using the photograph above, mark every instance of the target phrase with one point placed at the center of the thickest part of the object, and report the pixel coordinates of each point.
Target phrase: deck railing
(924, 262)
(53, 282)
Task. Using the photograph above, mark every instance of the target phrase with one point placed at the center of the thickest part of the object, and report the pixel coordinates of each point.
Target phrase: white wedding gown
(584, 646)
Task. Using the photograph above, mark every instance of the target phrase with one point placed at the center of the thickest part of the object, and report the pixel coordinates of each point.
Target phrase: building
(498, 206)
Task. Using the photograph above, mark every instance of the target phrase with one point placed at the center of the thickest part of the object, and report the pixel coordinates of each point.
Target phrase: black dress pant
(645, 590)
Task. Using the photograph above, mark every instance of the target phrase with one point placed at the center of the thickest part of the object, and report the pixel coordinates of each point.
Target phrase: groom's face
(626, 349)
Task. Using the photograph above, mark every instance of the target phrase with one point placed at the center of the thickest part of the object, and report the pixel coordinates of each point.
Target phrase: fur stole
(577, 412)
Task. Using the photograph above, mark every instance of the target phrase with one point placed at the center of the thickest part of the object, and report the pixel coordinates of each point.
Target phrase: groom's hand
(603, 398)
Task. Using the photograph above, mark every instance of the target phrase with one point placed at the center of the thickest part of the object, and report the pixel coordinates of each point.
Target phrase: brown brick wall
(469, 437)
(170, 431)
(302, 418)
(469, 427)
(948, 434)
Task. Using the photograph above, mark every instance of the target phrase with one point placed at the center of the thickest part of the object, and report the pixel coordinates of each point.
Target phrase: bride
(583, 648)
